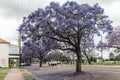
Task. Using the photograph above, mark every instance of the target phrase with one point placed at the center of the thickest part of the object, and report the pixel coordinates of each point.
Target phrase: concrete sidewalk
(14, 74)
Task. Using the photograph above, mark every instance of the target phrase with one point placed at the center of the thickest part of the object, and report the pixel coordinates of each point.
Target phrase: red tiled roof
(3, 41)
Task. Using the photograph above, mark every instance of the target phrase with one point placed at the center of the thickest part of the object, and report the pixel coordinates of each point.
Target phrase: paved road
(102, 68)
(56, 72)
(84, 68)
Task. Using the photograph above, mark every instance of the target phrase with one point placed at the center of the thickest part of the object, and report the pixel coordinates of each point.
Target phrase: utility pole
(19, 44)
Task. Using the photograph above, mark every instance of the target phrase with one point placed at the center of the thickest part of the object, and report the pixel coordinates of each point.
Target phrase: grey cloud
(21, 8)
(17, 8)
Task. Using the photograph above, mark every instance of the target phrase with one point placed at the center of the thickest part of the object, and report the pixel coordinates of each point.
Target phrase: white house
(8, 52)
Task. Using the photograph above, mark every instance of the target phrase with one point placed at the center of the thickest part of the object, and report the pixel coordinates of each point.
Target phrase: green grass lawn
(3, 72)
(102, 63)
(2, 75)
(4, 69)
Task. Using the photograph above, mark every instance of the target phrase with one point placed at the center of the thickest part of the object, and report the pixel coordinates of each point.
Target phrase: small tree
(57, 55)
(93, 59)
(36, 49)
(113, 39)
(117, 57)
(111, 57)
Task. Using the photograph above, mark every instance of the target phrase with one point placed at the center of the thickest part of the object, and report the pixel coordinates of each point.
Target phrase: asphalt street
(56, 72)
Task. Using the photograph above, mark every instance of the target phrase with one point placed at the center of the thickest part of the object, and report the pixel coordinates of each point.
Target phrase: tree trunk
(30, 60)
(87, 58)
(78, 52)
(40, 60)
(40, 63)
(79, 61)
(115, 61)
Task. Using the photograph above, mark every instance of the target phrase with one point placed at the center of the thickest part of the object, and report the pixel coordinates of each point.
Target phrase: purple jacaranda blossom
(69, 26)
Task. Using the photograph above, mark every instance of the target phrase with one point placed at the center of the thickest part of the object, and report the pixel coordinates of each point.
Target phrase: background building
(9, 53)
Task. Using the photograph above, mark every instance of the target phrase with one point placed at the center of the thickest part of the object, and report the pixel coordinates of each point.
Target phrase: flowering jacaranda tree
(32, 50)
(88, 47)
(27, 53)
(67, 25)
(113, 39)
(36, 49)
(57, 55)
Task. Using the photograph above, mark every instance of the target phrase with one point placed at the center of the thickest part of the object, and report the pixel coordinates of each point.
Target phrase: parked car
(52, 63)
(25, 64)
(59, 62)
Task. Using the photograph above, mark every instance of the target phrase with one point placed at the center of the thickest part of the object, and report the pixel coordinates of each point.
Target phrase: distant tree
(113, 39)
(111, 57)
(36, 49)
(99, 58)
(101, 46)
(88, 47)
(117, 57)
(67, 25)
(57, 55)
(93, 59)
(30, 51)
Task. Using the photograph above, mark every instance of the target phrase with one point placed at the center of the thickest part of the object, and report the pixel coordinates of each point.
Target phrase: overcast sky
(12, 12)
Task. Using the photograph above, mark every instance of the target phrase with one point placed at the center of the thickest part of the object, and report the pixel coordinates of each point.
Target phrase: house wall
(13, 49)
(4, 55)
